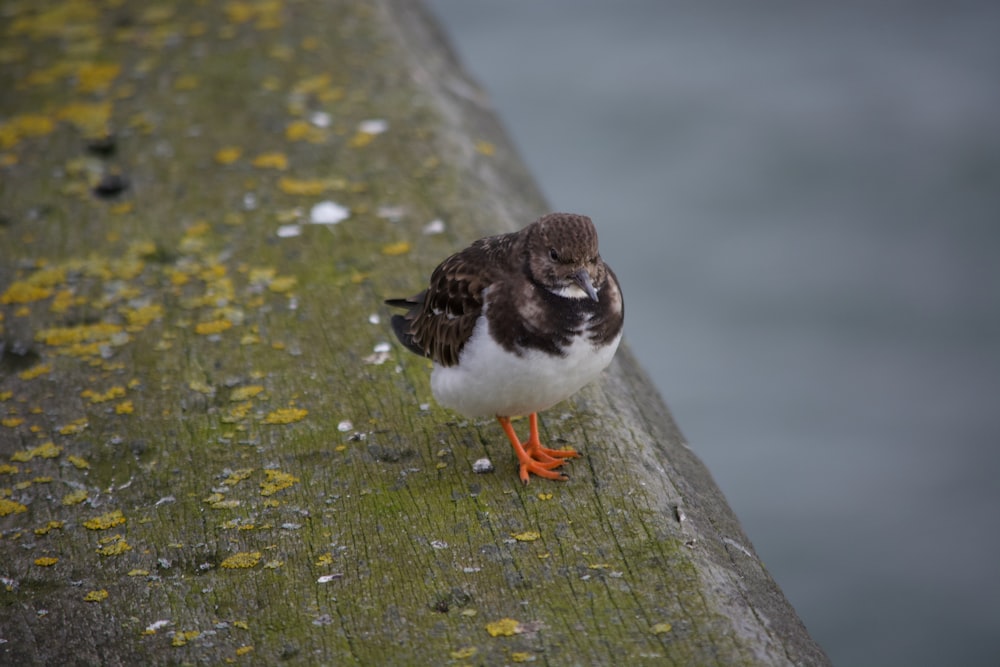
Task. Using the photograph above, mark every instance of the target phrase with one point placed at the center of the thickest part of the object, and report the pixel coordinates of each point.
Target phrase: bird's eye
(553, 254)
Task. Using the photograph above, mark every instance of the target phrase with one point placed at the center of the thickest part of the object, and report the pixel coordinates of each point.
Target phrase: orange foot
(533, 457)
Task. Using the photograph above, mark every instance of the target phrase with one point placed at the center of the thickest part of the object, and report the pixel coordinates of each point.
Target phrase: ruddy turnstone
(516, 323)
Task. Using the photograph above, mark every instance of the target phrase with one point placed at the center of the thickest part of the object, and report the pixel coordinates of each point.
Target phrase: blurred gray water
(802, 202)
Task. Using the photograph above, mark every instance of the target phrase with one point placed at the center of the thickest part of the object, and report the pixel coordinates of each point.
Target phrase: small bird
(516, 323)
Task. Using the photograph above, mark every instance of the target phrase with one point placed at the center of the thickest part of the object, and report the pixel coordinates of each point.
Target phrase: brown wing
(440, 319)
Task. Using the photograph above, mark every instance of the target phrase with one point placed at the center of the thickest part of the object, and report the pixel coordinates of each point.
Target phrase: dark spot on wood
(161, 255)
(389, 454)
(17, 356)
(456, 597)
(104, 146)
(110, 186)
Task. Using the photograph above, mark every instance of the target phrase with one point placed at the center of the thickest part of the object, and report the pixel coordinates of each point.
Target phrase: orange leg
(533, 457)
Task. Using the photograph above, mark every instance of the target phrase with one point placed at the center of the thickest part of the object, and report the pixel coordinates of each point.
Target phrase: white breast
(489, 380)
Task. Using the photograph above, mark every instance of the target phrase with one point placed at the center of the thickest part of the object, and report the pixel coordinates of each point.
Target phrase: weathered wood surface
(156, 508)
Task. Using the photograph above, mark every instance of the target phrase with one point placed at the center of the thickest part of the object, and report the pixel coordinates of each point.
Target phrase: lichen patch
(242, 560)
(105, 521)
(505, 627)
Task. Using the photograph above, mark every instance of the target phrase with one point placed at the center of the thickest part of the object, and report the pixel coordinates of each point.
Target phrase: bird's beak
(582, 278)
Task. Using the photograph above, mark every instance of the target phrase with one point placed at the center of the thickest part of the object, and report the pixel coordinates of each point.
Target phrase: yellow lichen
(526, 536)
(91, 119)
(237, 476)
(245, 393)
(7, 469)
(223, 504)
(261, 275)
(46, 450)
(522, 656)
(83, 333)
(308, 187)
(96, 596)
(228, 155)
(661, 628)
(243, 650)
(105, 521)
(300, 130)
(182, 638)
(22, 292)
(199, 228)
(250, 339)
(237, 413)
(244, 559)
(139, 318)
(394, 249)
(271, 161)
(46, 561)
(102, 397)
(124, 408)
(11, 507)
(78, 463)
(12, 422)
(201, 387)
(114, 546)
(137, 572)
(286, 416)
(505, 627)
(276, 481)
(24, 126)
(282, 284)
(75, 497)
(63, 301)
(464, 653)
(96, 77)
(48, 277)
(76, 426)
(324, 560)
(51, 525)
(213, 327)
(36, 371)
(485, 148)
(361, 139)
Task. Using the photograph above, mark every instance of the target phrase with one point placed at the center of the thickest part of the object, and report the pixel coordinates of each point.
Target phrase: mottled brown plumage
(441, 318)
